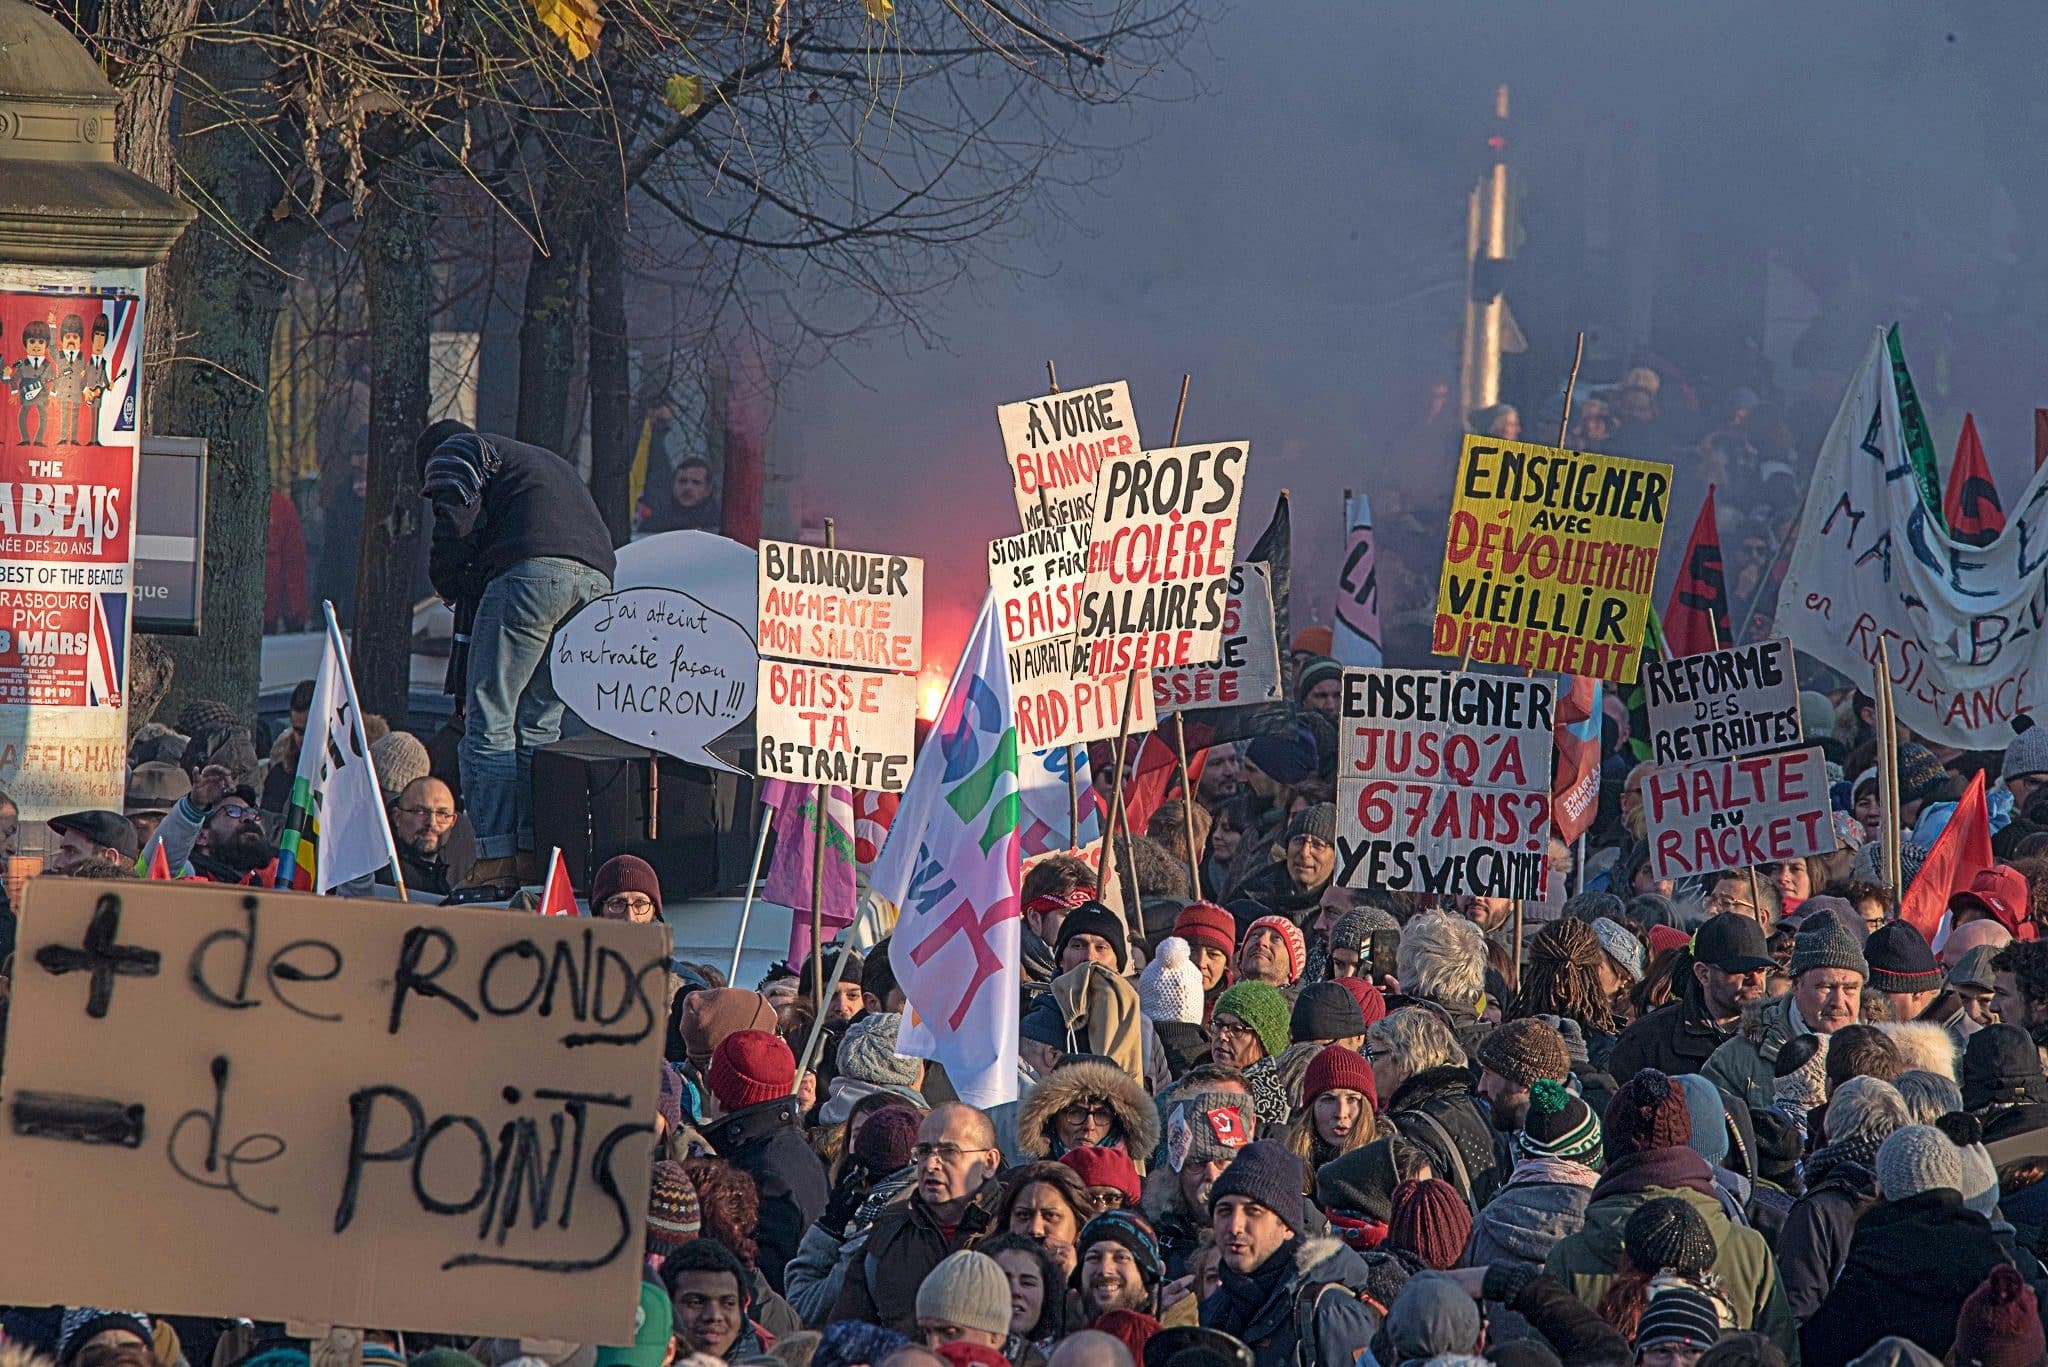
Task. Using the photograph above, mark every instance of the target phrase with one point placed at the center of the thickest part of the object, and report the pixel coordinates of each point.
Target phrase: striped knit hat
(1559, 1125)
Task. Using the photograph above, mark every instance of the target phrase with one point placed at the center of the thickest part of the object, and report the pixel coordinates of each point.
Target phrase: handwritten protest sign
(1551, 558)
(415, 1118)
(1036, 580)
(659, 668)
(1719, 703)
(1247, 670)
(841, 636)
(1159, 556)
(1443, 782)
(1055, 442)
(1732, 813)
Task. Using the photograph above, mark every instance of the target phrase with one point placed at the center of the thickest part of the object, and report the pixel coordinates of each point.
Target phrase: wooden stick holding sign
(1052, 382)
(823, 796)
(1887, 728)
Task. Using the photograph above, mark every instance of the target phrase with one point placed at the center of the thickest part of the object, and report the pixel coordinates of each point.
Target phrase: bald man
(1968, 936)
(953, 1204)
(1091, 1348)
(423, 825)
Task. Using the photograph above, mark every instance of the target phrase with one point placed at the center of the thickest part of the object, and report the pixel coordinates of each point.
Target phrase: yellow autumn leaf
(683, 94)
(576, 22)
(879, 10)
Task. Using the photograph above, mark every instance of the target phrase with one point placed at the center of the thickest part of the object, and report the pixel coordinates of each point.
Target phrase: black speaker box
(596, 797)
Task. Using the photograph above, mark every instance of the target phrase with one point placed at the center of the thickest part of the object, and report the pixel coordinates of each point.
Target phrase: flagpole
(348, 680)
(818, 856)
(1187, 804)
(747, 903)
(810, 1053)
(1888, 767)
(1052, 380)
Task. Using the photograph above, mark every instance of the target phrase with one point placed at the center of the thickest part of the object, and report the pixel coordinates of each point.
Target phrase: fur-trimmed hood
(1924, 1045)
(1767, 1021)
(1073, 1082)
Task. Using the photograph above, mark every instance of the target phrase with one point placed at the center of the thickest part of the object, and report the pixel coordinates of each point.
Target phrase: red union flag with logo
(951, 868)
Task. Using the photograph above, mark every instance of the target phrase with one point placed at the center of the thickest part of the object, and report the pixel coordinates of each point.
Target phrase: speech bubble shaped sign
(659, 668)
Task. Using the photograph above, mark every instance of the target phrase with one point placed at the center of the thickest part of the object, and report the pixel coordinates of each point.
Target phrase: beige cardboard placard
(352, 1112)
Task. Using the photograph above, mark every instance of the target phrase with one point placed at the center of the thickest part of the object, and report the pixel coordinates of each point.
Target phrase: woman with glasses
(626, 889)
(1089, 1102)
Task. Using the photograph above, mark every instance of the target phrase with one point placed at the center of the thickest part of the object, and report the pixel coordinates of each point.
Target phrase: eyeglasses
(627, 905)
(235, 811)
(948, 1154)
(440, 816)
(1238, 1028)
(1106, 1198)
(1094, 1114)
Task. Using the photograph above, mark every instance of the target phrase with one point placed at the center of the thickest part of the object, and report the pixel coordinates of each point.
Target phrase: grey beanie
(867, 1053)
(969, 1290)
(1433, 1315)
(1319, 821)
(2028, 752)
(399, 760)
(1356, 926)
(1622, 947)
(1816, 715)
(1824, 942)
(1918, 1158)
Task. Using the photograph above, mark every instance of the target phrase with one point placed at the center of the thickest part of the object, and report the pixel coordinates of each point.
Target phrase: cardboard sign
(1732, 813)
(1036, 579)
(1159, 556)
(1055, 442)
(1741, 701)
(659, 668)
(434, 1119)
(1551, 558)
(1247, 670)
(841, 637)
(1443, 782)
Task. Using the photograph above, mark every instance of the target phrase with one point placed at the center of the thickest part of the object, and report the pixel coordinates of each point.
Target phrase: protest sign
(1733, 813)
(1159, 556)
(657, 667)
(1247, 670)
(1054, 443)
(1719, 703)
(1551, 558)
(1355, 638)
(841, 637)
(1443, 782)
(70, 341)
(433, 1119)
(1871, 562)
(1036, 579)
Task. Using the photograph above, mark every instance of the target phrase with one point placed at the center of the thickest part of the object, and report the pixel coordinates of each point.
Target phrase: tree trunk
(398, 285)
(224, 302)
(547, 323)
(611, 367)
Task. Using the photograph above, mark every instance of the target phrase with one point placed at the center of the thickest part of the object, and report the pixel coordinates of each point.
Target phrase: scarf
(1860, 1149)
(1673, 1169)
(1246, 1293)
(1269, 1094)
(1557, 1171)
(460, 466)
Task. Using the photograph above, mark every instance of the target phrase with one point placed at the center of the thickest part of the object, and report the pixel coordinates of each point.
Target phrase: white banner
(335, 820)
(1443, 782)
(1739, 701)
(1872, 563)
(1737, 813)
(1247, 671)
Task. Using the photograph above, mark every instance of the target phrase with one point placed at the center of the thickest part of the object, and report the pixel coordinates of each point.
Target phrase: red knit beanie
(625, 873)
(750, 1067)
(1133, 1328)
(1335, 1069)
(1100, 1167)
(960, 1353)
(1649, 1112)
(1205, 923)
(2000, 1324)
(1431, 1221)
(1372, 1003)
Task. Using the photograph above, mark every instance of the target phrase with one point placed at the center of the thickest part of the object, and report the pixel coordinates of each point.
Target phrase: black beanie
(877, 974)
(433, 437)
(1325, 1011)
(1265, 1171)
(1093, 918)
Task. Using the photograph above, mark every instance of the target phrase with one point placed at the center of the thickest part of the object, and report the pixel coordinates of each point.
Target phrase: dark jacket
(1445, 1096)
(1675, 1038)
(1815, 1241)
(1173, 1224)
(1344, 1324)
(1185, 1044)
(764, 1142)
(1273, 889)
(1911, 1263)
(506, 503)
(1564, 1322)
(2003, 1122)
(904, 1244)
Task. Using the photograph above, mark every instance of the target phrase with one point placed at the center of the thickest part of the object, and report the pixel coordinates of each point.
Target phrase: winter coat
(1586, 1261)
(904, 1245)
(1675, 1038)
(818, 1271)
(1137, 1127)
(1186, 1044)
(1561, 1321)
(1272, 888)
(1911, 1264)
(525, 501)
(1743, 1064)
(764, 1142)
(1173, 1224)
(2006, 1121)
(1815, 1242)
(1344, 1324)
(1445, 1096)
(1542, 1203)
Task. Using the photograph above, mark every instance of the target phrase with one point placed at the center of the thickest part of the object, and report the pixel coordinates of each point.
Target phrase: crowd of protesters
(1755, 1118)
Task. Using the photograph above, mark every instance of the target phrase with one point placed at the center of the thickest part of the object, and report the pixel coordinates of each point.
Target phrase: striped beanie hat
(1559, 1125)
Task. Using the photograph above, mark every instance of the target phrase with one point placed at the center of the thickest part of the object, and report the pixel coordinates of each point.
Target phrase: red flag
(159, 863)
(1963, 848)
(1971, 505)
(1696, 619)
(557, 898)
(1575, 740)
(1155, 776)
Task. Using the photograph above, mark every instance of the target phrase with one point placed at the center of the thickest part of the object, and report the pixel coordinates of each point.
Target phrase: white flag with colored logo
(334, 827)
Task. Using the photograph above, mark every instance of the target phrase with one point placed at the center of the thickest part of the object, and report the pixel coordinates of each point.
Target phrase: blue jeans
(513, 708)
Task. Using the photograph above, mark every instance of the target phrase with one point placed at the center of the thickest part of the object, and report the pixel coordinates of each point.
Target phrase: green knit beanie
(1263, 1008)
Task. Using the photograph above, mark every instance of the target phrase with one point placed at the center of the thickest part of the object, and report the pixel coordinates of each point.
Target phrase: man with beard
(91, 835)
(1119, 1265)
(1513, 1058)
(215, 834)
(1205, 1128)
(1730, 961)
(422, 819)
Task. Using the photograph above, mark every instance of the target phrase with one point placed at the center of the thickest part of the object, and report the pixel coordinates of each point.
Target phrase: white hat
(1170, 988)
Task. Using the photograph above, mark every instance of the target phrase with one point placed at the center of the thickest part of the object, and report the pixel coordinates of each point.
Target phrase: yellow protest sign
(1550, 558)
